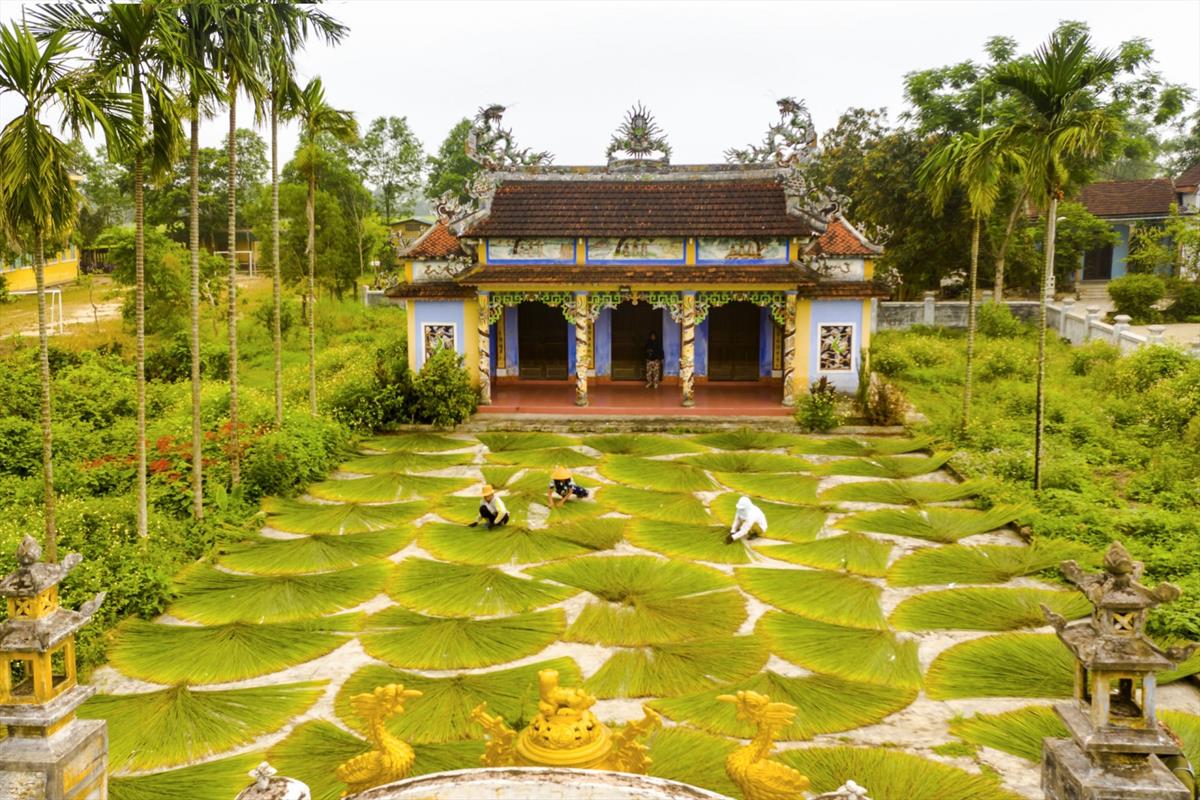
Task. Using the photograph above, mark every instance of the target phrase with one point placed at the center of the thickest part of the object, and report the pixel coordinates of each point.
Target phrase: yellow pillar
(803, 343)
(864, 338)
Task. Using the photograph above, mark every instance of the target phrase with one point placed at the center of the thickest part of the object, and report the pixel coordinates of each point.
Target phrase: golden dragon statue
(748, 766)
(390, 759)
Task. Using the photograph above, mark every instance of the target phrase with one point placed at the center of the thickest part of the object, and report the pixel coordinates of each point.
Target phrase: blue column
(603, 345)
(512, 355)
(702, 348)
(766, 342)
(670, 342)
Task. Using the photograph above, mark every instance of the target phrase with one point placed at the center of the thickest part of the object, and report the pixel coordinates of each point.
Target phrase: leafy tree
(1077, 231)
(1183, 149)
(1149, 249)
(390, 156)
(450, 170)
(105, 190)
(38, 200)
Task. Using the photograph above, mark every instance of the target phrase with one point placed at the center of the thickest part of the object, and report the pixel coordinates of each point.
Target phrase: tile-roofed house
(560, 273)
(1140, 199)
(1189, 179)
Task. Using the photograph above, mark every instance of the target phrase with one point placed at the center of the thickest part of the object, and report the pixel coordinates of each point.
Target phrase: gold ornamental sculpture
(391, 759)
(565, 733)
(750, 767)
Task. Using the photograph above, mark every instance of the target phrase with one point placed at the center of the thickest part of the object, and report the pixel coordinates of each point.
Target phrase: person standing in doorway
(654, 361)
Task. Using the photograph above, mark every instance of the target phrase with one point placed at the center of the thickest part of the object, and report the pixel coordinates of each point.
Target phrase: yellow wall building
(62, 267)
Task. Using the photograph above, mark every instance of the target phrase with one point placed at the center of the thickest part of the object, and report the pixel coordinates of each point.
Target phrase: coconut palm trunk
(276, 278)
(974, 280)
(235, 453)
(47, 412)
(194, 247)
(1047, 271)
(139, 261)
(310, 209)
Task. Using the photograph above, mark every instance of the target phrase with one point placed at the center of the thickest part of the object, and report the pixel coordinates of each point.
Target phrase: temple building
(558, 274)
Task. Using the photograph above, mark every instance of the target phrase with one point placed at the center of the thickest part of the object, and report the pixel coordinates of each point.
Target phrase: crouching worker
(748, 520)
(491, 509)
(563, 488)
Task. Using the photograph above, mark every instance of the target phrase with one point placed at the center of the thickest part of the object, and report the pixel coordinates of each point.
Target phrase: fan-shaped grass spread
(387, 488)
(212, 597)
(415, 443)
(542, 459)
(462, 589)
(850, 446)
(212, 780)
(827, 596)
(694, 542)
(504, 545)
(788, 488)
(503, 441)
(985, 609)
(788, 523)
(218, 654)
(1186, 727)
(667, 670)
(884, 466)
(899, 492)
(851, 552)
(748, 439)
(406, 639)
(663, 506)
(1005, 665)
(640, 444)
(932, 524)
(825, 704)
(689, 756)
(297, 517)
(983, 564)
(403, 461)
(175, 725)
(314, 553)
(1019, 732)
(734, 461)
(464, 510)
(663, 476)
(856, 654)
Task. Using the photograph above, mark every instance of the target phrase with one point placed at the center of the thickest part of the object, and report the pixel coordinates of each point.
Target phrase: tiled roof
(1143, 198)
(845, 289)
(592, 275)
(623, 208)
(1190, 178)
(440, 290)
(436, 242)
(840, 239)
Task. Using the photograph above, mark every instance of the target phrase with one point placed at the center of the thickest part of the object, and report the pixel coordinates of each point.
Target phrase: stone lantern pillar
(1117, 742)
(49, 754)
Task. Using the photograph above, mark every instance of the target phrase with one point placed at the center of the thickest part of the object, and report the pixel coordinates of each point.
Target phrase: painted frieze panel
(836, 348)
(842, 269)
(436, 335)
(634, 249)
(741, 250)
(531, 250)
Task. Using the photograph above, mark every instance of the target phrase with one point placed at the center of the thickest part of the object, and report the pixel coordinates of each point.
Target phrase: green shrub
(1086, 357)
(20, 446)
(282, 462)
(1146, 366)
(817, 410)
(1005, 362)
(1185, 301)
(996, 321)
(442, 394)
(172, 362)
(883, 402)
(1136, 295)
(928, 352)
(889, 360)
(264, 315)
(353, 397)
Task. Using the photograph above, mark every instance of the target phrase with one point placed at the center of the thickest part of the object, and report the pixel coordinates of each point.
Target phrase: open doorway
(733, 332)
(541, 342)
(631, 327)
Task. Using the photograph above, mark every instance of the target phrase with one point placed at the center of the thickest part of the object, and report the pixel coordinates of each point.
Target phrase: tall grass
(689, 756)
(464, 590)
(1005, 665)
(513, 544)
(667, 670)
(816, 594)
(406, 639)
(984, 564)
(856, 654)
(851, 552)
(945, 525)
(986, 609)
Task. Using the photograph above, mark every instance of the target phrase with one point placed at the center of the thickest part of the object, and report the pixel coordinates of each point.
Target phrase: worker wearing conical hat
(492, 509)
(563, 488)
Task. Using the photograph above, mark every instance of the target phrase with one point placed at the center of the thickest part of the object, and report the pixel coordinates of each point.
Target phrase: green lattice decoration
(497, 301)
(671, 301)
(598, 301)
(776, 302)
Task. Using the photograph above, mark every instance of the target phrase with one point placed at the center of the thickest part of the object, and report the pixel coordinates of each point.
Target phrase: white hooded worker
(748, 520)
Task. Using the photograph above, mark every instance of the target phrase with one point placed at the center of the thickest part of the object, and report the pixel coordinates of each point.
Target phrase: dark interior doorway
(631, 326)
(541, 342)
(1097, 264)
(733, 332)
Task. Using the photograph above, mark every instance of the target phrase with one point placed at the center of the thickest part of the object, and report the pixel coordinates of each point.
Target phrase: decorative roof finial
(789, 142)
(493, 147)
(639, 137)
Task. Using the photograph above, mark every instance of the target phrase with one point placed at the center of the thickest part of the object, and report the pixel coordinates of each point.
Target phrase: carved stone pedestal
(1069, 774)
(68, 765)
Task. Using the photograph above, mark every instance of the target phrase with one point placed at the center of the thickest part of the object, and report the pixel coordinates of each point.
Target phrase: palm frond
(891, 774)
(223, 653)
(443, 712)
(748, 439)
(173, 726)
(296, 517)
(786, 522)
(852, 552)
(663, 506)
(512, 544)
(641, 444)
(933, 524)
(415, 443)
(826, 596)
(1019, 732)
(824, 704)
(1187, 728)
(542, 458)
(1005, 665)
(463, 589)
(984, 564)
(688, 756)
(985, 609)
(402, 461)
(213, 597)
(884, 466)
(668, 670)
(787, 488)
(642, 600)
(212, 780)
(856, 654)
(501, 441)
(899, 492)
(867, 446)
(314, 553)
(315, 749)
(406, 639)
(663, 476)
(692, 542)
(464, 510)
(387, 488)
(733, 461)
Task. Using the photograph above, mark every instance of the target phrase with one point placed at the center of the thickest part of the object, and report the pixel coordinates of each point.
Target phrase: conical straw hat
(561, 473)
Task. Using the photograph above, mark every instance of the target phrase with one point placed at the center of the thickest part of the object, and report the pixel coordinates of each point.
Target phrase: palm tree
(191, 34)
(38, 201)
(125, 40)
(287, 26)
(978, 166)
(240, 62)
(317, 119)
(1061, 127)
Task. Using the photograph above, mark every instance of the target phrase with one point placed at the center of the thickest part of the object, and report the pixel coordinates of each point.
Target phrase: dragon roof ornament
(791, 141)
(638, 138)
(492, 146)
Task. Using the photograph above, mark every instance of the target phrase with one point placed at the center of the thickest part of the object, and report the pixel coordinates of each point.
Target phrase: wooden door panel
(541, 342)
(631, 326)
(733, 333)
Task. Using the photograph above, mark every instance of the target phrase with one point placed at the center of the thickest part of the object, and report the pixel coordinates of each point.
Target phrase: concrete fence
(1078, 326)
(373, 297)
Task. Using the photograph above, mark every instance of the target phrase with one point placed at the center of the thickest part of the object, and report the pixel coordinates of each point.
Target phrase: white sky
(709, 71)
